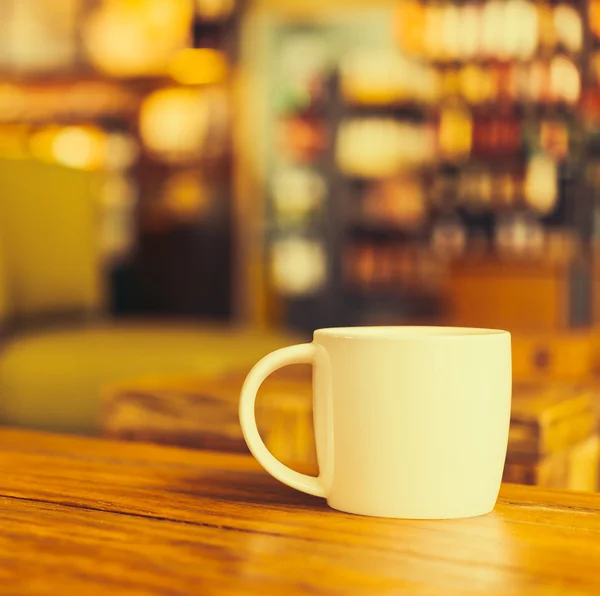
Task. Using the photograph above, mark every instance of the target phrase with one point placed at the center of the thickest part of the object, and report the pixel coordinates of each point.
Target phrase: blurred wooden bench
(568, 355)
(553, 437)
(203, 413)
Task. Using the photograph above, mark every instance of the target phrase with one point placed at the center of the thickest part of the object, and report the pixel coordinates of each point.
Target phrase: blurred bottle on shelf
(475, 86)
(298, 195)
(469, 38)
(302, 139)
(541, 184)
(448, 237)
(494, 30)
(497, 136)
(595, 68)
(360, 266)
(538, 82)
(565, 80)
(442, 190)
(568, 27)
(546, 28)
(391, 269)
(298, 266)
(493, 26)
(380, 147)
(554, 139)
(506, 190)
(397, 202)
(519, 235)
(433, 33)
(386, 77)
(474, 189)
(455, 132)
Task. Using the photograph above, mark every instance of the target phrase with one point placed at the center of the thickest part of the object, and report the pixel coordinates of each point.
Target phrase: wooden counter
(85, 516)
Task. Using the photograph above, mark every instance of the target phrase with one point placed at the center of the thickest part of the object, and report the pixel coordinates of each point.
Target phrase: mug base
(416, 515)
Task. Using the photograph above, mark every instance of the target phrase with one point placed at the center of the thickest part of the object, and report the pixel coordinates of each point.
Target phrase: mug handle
(299, 354)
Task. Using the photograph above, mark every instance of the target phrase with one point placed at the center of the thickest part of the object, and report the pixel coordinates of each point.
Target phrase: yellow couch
(56, 350)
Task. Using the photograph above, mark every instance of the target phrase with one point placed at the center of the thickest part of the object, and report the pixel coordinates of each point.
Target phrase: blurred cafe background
(186, 185)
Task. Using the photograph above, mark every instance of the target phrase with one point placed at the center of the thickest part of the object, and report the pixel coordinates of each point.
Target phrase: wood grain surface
(93, 517)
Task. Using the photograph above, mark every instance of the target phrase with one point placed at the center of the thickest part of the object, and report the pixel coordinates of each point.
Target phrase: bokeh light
(79, 147)
(198, 66)
(137, 37)
(174, 123)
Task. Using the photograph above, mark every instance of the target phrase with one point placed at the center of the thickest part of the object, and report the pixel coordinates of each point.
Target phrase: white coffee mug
(410, 422)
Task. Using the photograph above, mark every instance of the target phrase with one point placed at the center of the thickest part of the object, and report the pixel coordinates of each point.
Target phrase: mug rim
(409, 332)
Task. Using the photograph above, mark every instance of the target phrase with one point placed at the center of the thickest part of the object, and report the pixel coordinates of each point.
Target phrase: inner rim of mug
(407, 332)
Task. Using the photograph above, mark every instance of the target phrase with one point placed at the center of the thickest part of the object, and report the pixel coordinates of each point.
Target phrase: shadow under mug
(410, 422)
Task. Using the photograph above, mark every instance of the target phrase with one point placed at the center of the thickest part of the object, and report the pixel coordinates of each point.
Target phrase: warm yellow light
(186, 196)
(78, 147)
(137, 37)
(174, 123)
(198, 67)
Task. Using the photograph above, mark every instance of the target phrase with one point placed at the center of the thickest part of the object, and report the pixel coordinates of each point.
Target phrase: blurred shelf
(383, 233)
(540, 55)
(496, 162)
(305, 229)
(65, 99)
(503, 108)
(202, 162)
(396, 300)
(513, 117)
(401, 110)
(80, 76)
(523, 109)
(362, 179)
(141, 84)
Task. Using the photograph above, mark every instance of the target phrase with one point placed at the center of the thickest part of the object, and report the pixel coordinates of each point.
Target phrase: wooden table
(87, 516)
